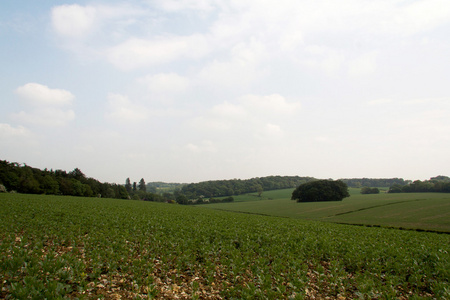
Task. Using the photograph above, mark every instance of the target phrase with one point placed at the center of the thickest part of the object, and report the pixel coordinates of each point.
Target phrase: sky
(196, 90)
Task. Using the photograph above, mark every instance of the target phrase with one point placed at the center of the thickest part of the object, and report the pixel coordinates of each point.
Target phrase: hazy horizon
(187, 91)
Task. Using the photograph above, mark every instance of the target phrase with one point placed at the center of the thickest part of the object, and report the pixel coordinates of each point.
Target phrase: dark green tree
(259, 190)
(321, 190)
(78, 188)
(396, 188)
(142, 186)
(50, 185)
(181, 199)
(128, 186)
(120, 192)
(134, 187)
(29, 185)
(66, 186)
(78, 175)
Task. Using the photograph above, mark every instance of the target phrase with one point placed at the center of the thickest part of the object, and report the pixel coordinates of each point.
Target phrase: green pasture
(426, 211)
(60, 247)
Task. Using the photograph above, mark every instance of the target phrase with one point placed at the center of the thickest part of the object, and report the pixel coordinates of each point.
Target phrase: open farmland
(71, 247)
(426, 211)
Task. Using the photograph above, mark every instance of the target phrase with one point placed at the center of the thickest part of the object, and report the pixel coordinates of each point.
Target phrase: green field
(87, 248)
(426, 211)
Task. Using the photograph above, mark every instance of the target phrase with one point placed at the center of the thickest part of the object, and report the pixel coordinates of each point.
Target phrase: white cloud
(419, 16)
(380, 101)
(193, 60)
(241, 68)
(48, 116)
(18, 142)
(44, 105)
(327, 59)
(165, 83)
(182, 5)
(80, 22)
(252, 52)
(229, 74)
(41, 95)
(443, 101)
(203, 147)
(121, 109)
(280, 29)
(210, 124)
(139, 53)
(229, 110)
(256, 115)
(363, 65)
(7, 131)
(274, 104)
(73, 20)
(323, 139)
(273, 130)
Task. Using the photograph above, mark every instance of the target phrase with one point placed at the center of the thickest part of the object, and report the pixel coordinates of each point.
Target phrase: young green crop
(423, 211)
(67, 247)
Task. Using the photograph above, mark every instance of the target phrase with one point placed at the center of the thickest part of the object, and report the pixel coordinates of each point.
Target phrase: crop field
(67, 247)
(425, 211)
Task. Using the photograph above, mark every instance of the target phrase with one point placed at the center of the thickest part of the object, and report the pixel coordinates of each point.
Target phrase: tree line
(223, 188)
(21, 178)
(438, 184)
(374, 182)
(29, 180)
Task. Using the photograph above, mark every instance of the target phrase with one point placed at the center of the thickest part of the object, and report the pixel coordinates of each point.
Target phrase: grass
(87, 248)
(423, 211)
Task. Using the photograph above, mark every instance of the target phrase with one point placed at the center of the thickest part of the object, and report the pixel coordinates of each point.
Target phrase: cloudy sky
(194, 90)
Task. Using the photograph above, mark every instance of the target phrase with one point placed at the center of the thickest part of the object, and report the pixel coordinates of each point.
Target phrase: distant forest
(22, 178)
(374, 182)
(222, 188)
(438, 184)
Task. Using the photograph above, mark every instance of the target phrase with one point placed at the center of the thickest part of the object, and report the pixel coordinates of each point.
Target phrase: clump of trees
(321, 190)
(370, 190)
(140, 191)
(438, 184)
